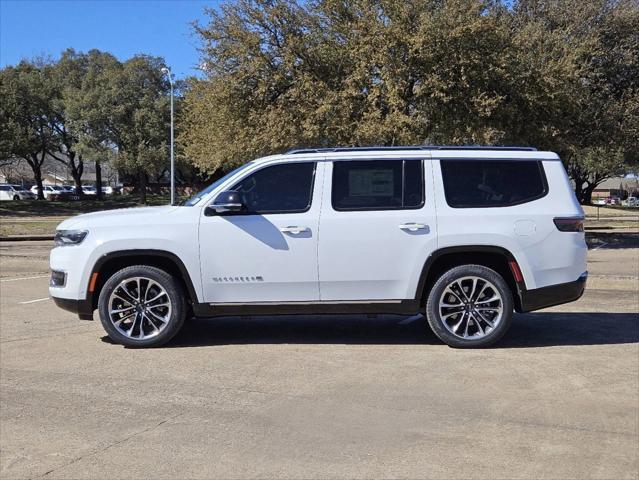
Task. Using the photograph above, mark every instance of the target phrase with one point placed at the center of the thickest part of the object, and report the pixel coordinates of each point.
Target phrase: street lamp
(167, 72)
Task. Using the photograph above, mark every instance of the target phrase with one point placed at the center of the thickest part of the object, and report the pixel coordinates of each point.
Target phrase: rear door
(377, 228)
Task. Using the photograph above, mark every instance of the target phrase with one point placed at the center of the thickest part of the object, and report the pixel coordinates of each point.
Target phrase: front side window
(284, 188)
(492, 183)
(378, 185)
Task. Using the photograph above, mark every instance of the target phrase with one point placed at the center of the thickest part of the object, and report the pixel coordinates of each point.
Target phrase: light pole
(167, 72)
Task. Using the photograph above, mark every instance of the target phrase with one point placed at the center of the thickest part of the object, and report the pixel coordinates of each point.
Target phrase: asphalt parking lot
(329, 397)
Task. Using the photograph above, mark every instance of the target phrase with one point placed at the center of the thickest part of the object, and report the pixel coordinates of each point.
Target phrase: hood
(135, 215)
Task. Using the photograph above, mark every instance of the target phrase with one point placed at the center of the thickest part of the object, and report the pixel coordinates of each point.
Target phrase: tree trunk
(587, 193)
(76, 172)
(36, 167)
(98, 180)
(142, 187)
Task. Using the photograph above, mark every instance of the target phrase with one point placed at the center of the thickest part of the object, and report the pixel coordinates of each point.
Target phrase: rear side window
(492, 183)
(283, 188)
(378, 185)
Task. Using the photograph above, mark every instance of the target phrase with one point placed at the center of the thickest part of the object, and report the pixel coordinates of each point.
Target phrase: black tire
(176, 315)
(16, 198)
(438, 325)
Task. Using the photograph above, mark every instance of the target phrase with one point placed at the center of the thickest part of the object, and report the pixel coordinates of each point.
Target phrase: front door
(268, 252)
(377, 229)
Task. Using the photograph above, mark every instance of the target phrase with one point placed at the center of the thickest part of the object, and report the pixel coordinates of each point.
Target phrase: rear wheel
(470, 306)
(16, 197)
(142, 306)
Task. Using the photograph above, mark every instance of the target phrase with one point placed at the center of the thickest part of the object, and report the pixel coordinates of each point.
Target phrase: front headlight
(69, 237)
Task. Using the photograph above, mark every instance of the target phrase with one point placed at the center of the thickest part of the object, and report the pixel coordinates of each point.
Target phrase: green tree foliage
(137, 95)
(557, 74)
(26, 116)
(87, 106)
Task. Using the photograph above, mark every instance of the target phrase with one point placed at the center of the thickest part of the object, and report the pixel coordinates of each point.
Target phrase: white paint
(34, 301)
(22, 278)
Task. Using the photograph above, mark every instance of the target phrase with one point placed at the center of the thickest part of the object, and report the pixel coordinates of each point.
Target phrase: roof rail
(410, 147)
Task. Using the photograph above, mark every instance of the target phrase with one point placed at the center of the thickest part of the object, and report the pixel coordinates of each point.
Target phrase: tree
(597, 129)
(26, 116)
(559, 75)
(138, 96)
(87, 110)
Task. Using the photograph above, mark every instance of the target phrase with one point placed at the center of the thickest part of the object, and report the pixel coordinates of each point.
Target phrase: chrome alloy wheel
(139, 308)
(471, 307)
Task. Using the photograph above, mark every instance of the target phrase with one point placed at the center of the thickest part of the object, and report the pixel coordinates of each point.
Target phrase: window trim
(275, 212)
(540, 166)
(380, 209)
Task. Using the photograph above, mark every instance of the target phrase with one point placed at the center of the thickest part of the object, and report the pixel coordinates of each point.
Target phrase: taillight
(570, 224)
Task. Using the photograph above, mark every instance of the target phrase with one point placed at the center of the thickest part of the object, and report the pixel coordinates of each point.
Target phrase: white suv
(463, 235)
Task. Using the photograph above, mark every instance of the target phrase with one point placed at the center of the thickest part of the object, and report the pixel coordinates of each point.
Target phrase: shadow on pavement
(546, 329)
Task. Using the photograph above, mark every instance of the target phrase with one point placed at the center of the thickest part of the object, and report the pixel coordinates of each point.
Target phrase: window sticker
(370, 183)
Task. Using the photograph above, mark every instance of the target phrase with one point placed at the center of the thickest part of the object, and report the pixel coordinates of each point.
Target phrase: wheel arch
(493, 257)
(111, 262)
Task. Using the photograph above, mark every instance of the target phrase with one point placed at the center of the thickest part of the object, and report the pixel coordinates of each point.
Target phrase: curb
(25, 238)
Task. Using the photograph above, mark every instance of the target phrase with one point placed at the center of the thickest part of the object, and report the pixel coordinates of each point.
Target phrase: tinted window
(285, 188)
(492, 183)
(5, 188)
(378, 185)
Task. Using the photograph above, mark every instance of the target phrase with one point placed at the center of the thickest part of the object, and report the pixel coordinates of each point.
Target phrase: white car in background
(48, 190)
(89, 190)
(15, 192)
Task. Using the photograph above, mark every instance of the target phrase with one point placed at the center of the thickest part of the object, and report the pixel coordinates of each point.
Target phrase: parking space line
(412, 319)
(22, 278)
(602, 245)
(34, 301)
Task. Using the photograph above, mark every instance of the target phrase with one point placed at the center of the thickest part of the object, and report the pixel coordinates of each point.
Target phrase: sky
(31, 28)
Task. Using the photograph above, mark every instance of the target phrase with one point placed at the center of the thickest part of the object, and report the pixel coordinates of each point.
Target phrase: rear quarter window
(492, 183)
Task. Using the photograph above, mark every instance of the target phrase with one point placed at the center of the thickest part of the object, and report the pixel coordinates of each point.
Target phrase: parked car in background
(613, 201)
(632, 202)
(47, 190)
(89, 190)
(108, 190)
(15, 192)
(599, 201)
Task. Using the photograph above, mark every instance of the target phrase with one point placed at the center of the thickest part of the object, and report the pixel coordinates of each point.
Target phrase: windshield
(59, 189)
(199, 195)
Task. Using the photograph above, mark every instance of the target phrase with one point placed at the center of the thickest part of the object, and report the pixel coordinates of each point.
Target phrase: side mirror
(226, 202)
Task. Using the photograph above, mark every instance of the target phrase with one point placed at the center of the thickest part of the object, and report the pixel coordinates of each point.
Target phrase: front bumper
(83, 308)
(552, 295)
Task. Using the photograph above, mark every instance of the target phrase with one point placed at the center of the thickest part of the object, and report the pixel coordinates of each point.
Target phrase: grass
(40, 217)
(39, 208)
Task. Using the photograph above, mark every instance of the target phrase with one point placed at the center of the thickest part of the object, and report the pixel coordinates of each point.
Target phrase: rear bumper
(539, 298)
(82, 308)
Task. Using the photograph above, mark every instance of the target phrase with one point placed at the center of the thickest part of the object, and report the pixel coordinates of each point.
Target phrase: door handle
(413, 227)
(294, 230)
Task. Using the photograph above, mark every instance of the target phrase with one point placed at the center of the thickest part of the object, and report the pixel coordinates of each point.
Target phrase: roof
(410, 147)
(422, 152)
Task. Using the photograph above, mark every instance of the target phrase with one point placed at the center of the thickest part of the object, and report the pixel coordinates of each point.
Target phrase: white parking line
(602, 245)
(412, 319)
(22, 278)
(34, 301)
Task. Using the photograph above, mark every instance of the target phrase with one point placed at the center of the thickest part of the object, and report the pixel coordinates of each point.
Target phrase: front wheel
(470, 306)
(16, 198)
(142, 306)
